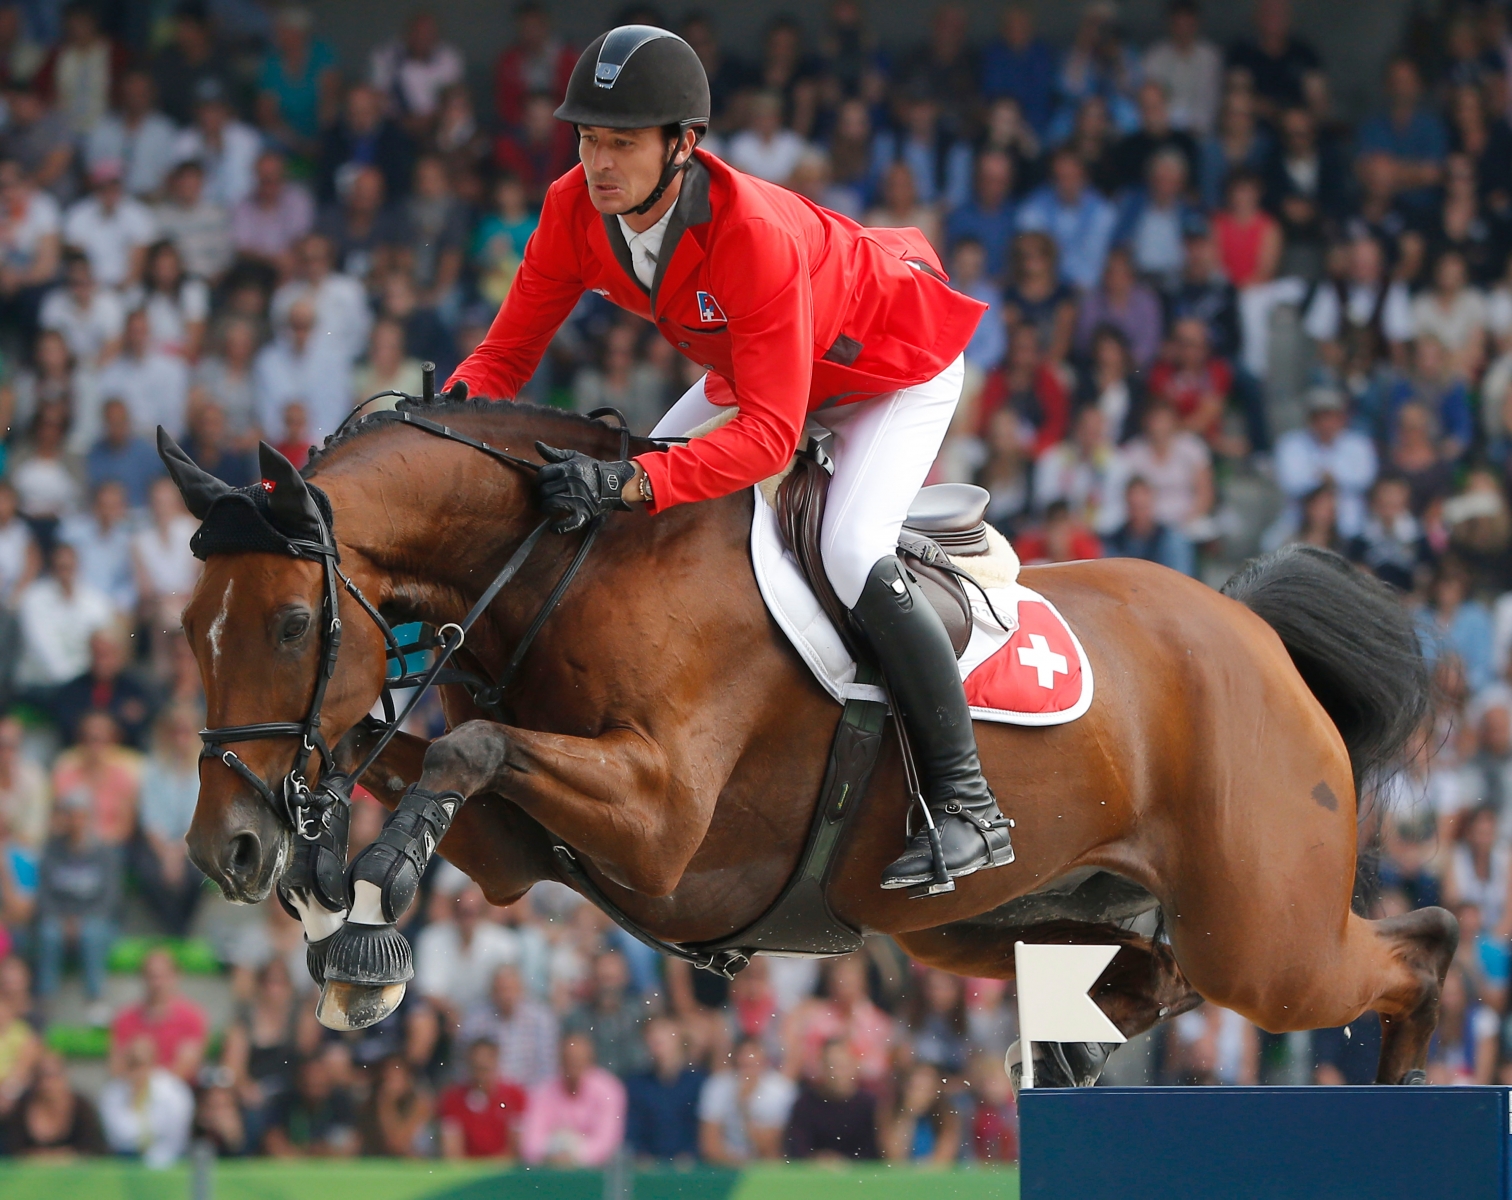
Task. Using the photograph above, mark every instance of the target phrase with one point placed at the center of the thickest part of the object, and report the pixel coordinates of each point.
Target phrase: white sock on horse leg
(319, 922)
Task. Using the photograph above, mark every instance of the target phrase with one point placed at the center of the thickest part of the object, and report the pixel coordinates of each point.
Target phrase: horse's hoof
(1414, 1078)
(315, 958)
(348, 1006)
(372, 955)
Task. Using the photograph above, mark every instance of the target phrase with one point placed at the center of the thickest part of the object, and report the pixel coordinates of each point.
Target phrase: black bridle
(307, 810)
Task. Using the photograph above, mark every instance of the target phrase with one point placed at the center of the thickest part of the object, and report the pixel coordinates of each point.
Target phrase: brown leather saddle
(944, 519)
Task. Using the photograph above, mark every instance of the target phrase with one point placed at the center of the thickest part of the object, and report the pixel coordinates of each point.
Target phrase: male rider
(797, 314)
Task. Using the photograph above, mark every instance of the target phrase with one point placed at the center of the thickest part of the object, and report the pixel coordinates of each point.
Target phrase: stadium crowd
(1221, 317)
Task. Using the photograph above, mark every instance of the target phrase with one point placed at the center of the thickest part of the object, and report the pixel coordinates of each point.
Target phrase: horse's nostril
(243, 856)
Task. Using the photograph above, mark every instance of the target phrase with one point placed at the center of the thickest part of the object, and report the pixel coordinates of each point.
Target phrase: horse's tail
(1353, 642)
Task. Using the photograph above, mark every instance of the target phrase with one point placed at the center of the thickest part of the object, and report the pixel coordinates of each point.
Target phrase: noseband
(306, 810)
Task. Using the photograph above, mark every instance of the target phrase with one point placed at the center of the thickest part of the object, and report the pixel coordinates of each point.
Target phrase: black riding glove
(576, 488)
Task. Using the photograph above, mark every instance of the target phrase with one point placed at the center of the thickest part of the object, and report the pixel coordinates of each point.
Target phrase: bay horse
(663, 727)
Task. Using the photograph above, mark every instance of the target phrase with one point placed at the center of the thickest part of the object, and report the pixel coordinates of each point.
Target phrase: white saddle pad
(1034, 672)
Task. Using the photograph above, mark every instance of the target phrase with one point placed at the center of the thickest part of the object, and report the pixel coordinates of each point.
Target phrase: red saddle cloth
(1039, 672)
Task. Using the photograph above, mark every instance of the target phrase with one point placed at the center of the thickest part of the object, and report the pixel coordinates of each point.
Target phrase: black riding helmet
(637, 77)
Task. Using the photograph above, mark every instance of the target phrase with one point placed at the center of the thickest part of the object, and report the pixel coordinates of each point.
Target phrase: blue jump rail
(1274, 1143)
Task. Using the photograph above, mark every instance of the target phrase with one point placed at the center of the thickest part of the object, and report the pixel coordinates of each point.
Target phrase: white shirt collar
(646, 247)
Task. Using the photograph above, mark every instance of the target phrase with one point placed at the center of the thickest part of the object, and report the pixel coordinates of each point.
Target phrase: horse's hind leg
(1141, 987)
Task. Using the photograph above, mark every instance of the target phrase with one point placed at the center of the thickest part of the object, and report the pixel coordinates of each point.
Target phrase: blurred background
(1247, 271)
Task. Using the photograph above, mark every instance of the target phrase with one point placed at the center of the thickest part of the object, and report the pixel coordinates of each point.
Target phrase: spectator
(498, 244)
(122, 457)
(37, 136)
(1437, 387)
(535, 61)
(924, 1126)
(987, 218)
(25, 798)
(273, 216)
(1079, 221)
(577, 1119)
(297, 81)
(900, 207)
(316, 1118)
(109, 686)
(1320, 520)
(1460, 223)
(846, 1012)
(1327, 449)
(79, 886)
(853, 186)
(662, 1102)
(1238, 144)
(190, 59)
(367, 236)
(522, 1030)
(90, 319)
(1178, 467)
(1453, 314)
(634, 387)
(146, 1109)
(968, 274)
(480, 1115)
(110, 227)
(174, 1026)
(19, 559)
(1061, 538)
(540, 149)
(48, 478)
(1188, 67)
(1197, 385)
(58, 613)
(1485, 140)
(438, 224)
(940, 165)
(393, 1122)
(1276, 61)
(51, 380)
(177, 306)
(364, 136)
(107, 772)
(226, 149)
(1415, 456)
(1156, 133)
(1031, 390)
(52, 1121)
(994, 1124)
(1410, 132)
(1124, 303)
(138, 137)
(342, 317)
(937, 1022)
(1391, 542)
(29, 235)
(223, 380)
(82, 72)
(416, 69)
(198, 226)
(218, 1121)
(1452, 621)
(1378, 213)
(299, 368)
(1142, 535)
(1248, 238)
(153, 385)
(1366, 308)
(1109, 383)
(611, 1018)
(1307, 188)
(456, 955)
(1037, 297)
(165, 878)
(103, 540)
(387, 367)
(833, 1118)
(263, 1042)
(1021, 65)
(742, 1111)
(20, 54)
(1155, 217)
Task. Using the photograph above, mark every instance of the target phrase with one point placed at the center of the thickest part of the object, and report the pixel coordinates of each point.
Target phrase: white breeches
(883, 449)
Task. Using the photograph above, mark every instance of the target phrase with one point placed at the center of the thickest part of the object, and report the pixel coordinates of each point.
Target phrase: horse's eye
(296, 626)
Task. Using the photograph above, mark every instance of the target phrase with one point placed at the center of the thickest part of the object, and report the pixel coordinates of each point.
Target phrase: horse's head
(259, 626)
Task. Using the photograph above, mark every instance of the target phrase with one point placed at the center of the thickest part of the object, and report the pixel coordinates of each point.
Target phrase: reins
(307, 811)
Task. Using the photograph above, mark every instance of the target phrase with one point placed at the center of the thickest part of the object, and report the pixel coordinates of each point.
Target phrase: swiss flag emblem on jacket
(1037, 670)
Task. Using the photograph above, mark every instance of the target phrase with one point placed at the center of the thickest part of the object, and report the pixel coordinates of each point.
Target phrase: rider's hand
(576, 488)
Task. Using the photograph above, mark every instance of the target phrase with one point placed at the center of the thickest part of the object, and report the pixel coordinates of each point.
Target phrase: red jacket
(789, 306)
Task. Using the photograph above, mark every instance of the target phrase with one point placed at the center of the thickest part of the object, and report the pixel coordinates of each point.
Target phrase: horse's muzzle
(244, 856)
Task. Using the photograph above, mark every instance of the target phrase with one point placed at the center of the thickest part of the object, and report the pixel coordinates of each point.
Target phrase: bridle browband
(305, 810)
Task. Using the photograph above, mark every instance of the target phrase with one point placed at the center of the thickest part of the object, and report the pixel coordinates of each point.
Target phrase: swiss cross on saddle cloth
(1037, 675)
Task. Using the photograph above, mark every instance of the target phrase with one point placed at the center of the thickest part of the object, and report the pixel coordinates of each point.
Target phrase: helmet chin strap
(669, 173)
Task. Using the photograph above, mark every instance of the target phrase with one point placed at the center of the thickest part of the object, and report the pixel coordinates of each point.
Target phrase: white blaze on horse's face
(218, 626)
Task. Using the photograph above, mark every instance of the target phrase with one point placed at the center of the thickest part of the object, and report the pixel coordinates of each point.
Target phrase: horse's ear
(199, 488)
(289, 501)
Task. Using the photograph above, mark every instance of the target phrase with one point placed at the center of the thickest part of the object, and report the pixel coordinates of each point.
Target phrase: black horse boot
(916, 656)
(313, 889)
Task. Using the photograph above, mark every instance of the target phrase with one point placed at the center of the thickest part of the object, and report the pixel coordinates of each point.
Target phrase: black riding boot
(919, 662)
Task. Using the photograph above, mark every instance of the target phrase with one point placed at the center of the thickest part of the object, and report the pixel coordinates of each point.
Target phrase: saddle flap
(929, 566)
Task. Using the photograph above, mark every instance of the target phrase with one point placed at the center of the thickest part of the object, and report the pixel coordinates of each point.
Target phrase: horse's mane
(537, 419)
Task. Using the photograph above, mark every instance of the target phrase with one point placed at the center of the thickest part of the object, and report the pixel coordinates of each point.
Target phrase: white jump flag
(1053, 982)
